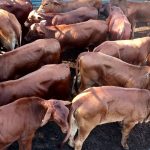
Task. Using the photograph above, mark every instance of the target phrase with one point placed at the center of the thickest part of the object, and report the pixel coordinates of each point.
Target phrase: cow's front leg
(25, 142)
(127, 126)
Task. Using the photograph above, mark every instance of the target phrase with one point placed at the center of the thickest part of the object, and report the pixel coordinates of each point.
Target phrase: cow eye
(45, 4)
(39, 18)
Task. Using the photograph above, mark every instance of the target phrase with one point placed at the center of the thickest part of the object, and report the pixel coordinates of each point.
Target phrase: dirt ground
(104, 137)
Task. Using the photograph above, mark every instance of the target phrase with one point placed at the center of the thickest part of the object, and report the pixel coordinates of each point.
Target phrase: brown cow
(64, 6)
(79, 35)
(10, 30)
(134, 51)
(118, 24)
(75, 16)
(98, 68)
(120, 3)
(20, 119)
(50, 81)
(20, 8)
(137, 12)
(100, 105)
(28, 58)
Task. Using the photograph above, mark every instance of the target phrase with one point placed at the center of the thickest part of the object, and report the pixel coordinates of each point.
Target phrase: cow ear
(43, 22)
(66, 102)
(46, 117)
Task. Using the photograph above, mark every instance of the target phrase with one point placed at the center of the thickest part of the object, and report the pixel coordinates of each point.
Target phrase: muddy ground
(104, 137)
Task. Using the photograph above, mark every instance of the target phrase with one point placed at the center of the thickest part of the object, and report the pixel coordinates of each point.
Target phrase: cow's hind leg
(85, 127)
(127, 127)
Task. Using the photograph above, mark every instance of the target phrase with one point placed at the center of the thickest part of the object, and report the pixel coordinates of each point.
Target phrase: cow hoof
(126, 147)
(71, 144)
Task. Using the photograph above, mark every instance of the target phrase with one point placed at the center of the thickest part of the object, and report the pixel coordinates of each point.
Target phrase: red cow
(79, 35)
(50, 81)
(135, 51)
(28, 58)
(100, 105)
(20, 8)
(19, 120)
(101, 69)
(75, 16)
(136, 12)
(118, 24)
(11, 32)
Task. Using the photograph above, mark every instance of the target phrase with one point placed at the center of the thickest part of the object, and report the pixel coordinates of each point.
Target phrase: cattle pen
(104, 137)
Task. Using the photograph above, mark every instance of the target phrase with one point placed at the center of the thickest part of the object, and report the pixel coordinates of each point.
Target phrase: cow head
(49, 6)
(60, 114)
(33, 17)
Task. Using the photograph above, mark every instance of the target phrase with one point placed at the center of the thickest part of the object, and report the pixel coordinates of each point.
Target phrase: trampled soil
(104, 137)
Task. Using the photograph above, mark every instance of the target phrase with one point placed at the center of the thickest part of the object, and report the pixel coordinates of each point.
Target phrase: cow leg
(127, 126)
(85, 127)
(133, 29)
(25, 143)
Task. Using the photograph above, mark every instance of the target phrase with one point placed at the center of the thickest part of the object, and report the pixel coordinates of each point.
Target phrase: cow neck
(50, 31)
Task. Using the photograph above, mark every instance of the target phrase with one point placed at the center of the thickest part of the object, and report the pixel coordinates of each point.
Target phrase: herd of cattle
(35, 85)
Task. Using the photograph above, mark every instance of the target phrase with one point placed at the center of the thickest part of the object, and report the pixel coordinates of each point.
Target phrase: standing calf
(100, 105)
(20, 119)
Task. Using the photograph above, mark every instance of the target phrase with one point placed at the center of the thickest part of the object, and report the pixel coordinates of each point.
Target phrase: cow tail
(76, 79)
(20, 39)
(69, 130)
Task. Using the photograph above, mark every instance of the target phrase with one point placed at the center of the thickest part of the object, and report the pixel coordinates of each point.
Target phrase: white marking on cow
(26, 24)
(43, 22)
(37, 16)
(32, 27)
